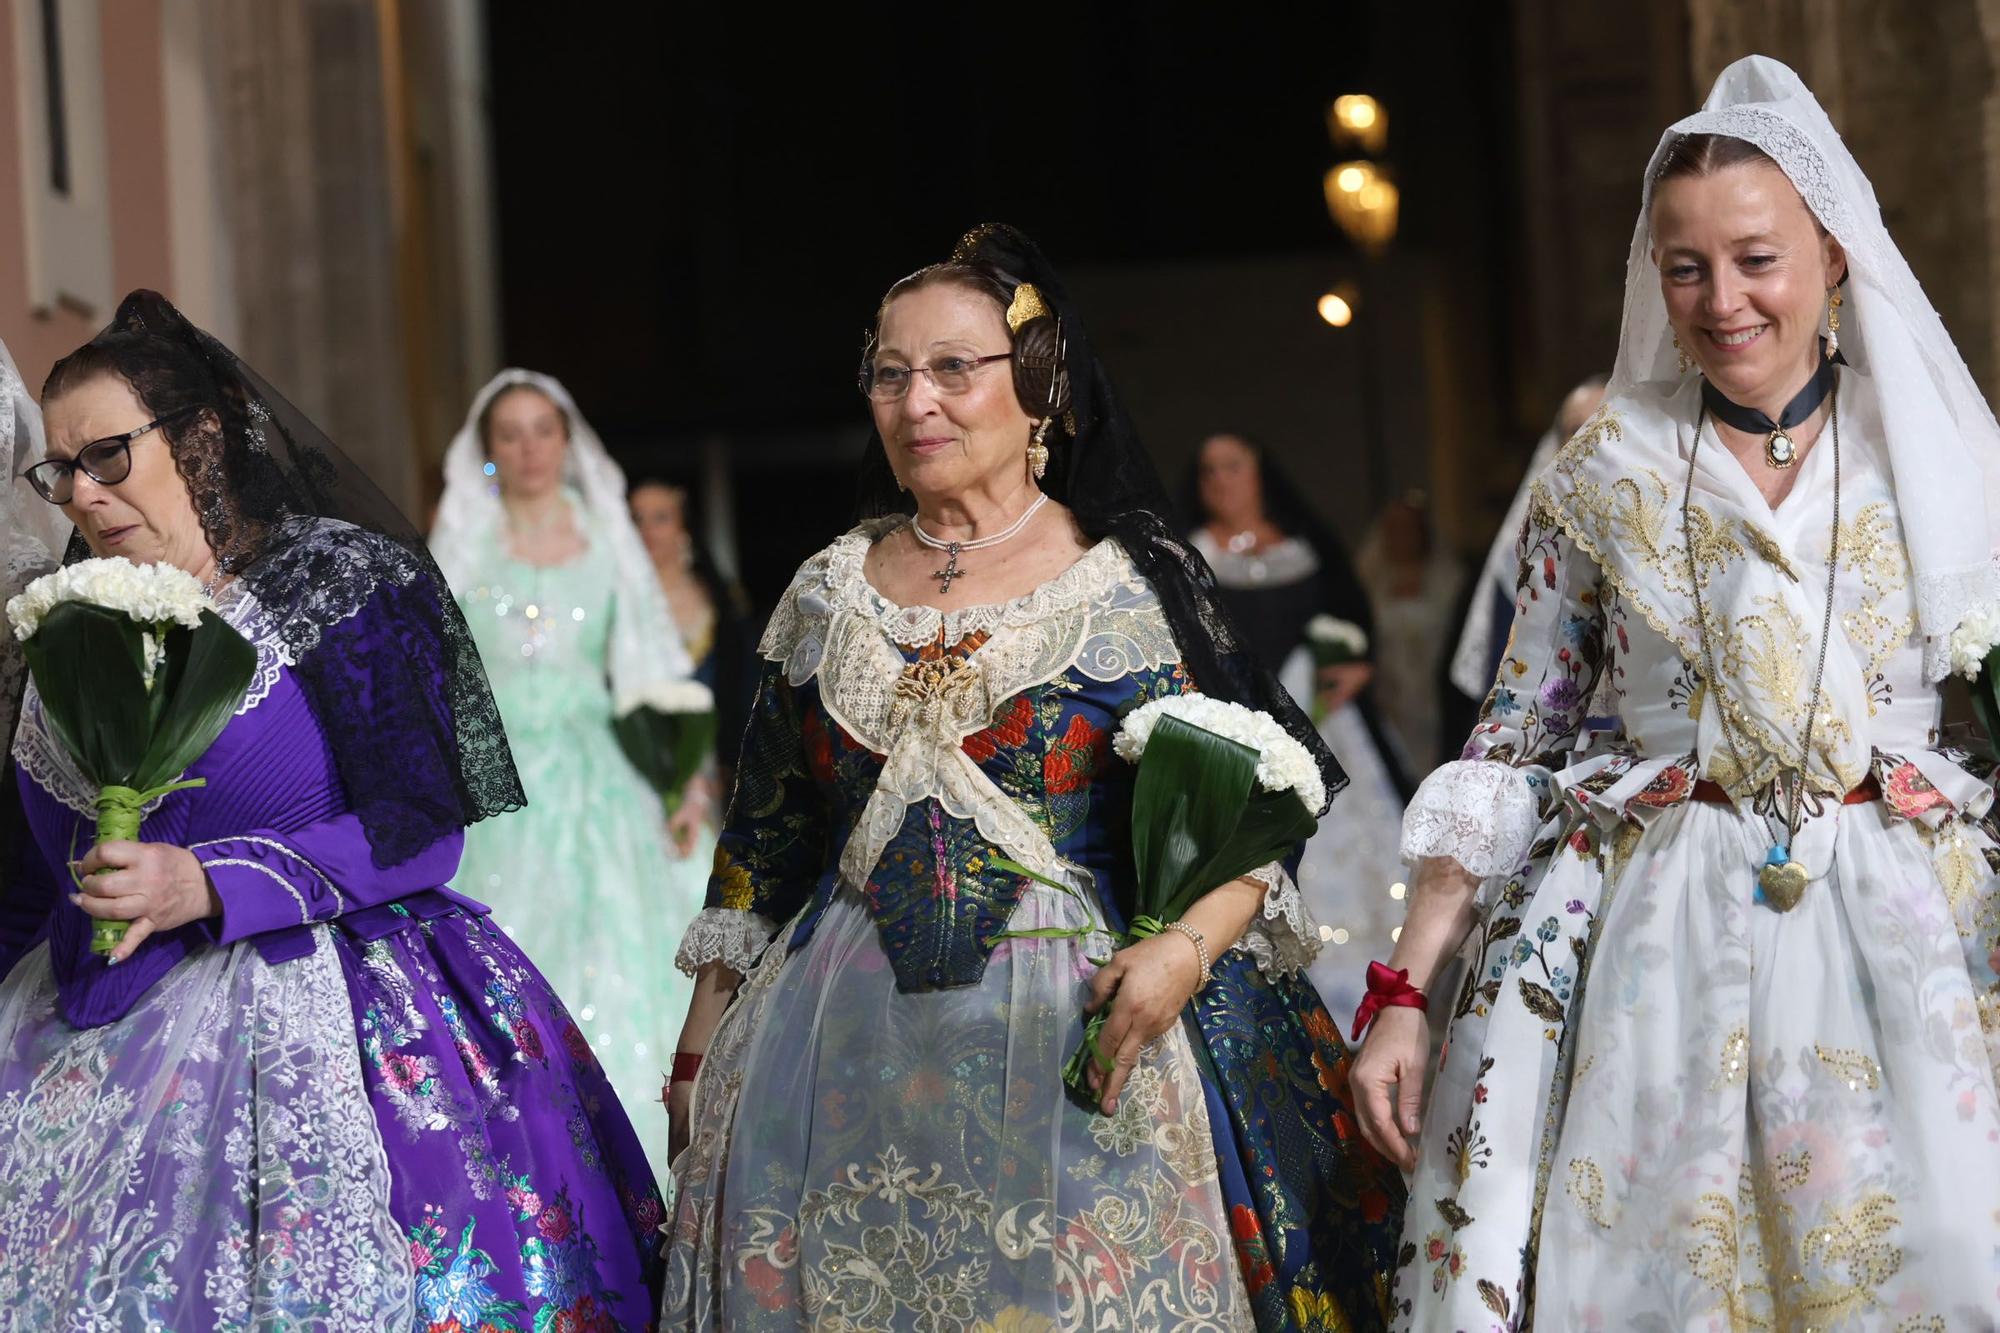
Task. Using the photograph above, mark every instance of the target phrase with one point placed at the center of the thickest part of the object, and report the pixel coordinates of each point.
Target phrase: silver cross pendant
(950, 573)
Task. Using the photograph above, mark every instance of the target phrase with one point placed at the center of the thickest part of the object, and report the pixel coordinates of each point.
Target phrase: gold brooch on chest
(941, 679)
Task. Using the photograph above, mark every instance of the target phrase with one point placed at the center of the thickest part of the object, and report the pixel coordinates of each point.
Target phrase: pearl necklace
(951, 573)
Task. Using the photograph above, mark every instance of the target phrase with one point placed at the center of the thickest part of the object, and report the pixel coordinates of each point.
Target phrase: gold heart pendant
(1784, 883)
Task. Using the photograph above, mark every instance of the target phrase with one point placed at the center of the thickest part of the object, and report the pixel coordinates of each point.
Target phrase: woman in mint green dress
(534, 538)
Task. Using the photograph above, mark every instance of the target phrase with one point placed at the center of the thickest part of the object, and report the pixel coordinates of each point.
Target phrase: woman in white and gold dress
(1721, 1060)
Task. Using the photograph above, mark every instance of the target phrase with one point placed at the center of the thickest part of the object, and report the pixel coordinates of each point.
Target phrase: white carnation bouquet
(1222, 790)
(137, 676)
(1975, 655)
(666, 729)
(1335, 642)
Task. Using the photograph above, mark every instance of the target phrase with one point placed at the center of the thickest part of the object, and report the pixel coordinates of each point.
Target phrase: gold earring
(1832, 322)
(1038, 452)
(1687, 362)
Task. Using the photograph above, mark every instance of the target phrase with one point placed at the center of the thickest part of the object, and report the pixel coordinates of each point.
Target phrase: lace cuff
(725, 935)
(1283, 937)
(1479, 812)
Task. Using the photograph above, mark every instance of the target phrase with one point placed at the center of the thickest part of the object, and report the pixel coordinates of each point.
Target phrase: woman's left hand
(1147, 985)
(154, 885)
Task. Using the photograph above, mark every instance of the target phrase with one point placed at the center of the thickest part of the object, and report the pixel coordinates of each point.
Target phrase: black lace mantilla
(376, 641)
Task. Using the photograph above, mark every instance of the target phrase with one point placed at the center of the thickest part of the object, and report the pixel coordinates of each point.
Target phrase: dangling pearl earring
(1832, 322)
(1038, 452)
(1687, 362)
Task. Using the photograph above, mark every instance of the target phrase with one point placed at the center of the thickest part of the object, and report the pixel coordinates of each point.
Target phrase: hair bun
(1041, 378)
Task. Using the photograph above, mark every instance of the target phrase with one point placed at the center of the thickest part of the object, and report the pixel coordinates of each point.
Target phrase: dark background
(696, 224)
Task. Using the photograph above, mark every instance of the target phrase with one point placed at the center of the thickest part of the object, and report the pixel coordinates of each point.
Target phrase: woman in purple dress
(313, 1088)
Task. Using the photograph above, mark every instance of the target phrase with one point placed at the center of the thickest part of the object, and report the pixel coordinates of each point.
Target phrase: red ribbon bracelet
(686, 1065)
(1386, 988)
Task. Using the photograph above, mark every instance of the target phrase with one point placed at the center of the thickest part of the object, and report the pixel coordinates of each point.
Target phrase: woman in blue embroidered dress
(314, 1088)
(879, 1136)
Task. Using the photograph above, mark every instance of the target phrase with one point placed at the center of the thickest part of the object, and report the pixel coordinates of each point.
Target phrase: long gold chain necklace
(1781, 881)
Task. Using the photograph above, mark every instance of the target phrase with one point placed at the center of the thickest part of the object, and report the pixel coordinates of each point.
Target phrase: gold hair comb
(1026, 307)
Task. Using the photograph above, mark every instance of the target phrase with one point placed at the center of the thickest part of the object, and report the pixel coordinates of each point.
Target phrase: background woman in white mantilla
(534, 538)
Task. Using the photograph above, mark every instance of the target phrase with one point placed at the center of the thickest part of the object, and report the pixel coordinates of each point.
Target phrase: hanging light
(1364, 203)
(1357, 119)
(1335, 310)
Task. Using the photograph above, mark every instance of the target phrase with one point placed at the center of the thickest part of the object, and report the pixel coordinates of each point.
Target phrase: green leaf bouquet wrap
(667, 731)
(137, 676)
(1222, 790)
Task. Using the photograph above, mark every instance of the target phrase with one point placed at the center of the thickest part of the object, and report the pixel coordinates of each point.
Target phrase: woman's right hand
(1388, 1083)
(714, 987)
(679, 1116)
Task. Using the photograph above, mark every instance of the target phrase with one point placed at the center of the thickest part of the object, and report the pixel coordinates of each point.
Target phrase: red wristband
(686, 1065)
(1386, 988)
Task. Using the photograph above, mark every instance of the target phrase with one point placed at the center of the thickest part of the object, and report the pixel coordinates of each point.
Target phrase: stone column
(300, 102)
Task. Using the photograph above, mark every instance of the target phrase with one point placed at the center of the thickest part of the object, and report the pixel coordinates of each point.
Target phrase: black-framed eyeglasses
(107, 461)
(951, 375)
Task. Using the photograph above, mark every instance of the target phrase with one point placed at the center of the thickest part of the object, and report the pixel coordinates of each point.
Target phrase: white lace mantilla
(726, 935)
(22, 560)
(1481, 813)
(44, 758)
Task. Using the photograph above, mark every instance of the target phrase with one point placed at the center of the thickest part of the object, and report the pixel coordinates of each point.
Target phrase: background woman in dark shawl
(1283, 575)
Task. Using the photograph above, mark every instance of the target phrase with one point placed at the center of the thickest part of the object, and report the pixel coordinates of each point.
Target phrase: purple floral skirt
(402, 1129)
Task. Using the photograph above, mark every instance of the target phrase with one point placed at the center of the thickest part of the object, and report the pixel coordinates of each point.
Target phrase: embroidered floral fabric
(1661, 1098)
(888, 1085)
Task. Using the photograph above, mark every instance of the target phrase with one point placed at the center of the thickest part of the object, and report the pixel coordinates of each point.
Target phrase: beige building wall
(133, 75)
(307, 179)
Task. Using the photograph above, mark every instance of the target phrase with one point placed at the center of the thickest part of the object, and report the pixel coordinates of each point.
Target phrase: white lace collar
(848, 589)
(1286, 561)
(1099, 617)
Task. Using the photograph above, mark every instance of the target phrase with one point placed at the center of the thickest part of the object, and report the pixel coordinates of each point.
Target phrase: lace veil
(1943, 443)
(352, 598)
(646, 648)
(33, 532)
(32, 535)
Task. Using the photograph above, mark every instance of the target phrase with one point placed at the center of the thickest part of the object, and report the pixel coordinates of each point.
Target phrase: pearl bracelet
(1200, 944)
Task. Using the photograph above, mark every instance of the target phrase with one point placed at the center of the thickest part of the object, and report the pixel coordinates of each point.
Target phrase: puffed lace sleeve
(1482, 809)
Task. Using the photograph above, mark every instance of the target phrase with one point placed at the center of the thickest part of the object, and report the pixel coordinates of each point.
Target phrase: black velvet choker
(1779, 450)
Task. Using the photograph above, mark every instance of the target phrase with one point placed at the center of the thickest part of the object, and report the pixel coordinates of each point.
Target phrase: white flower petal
(154, 594)
(668, 696)
(1283, 764)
